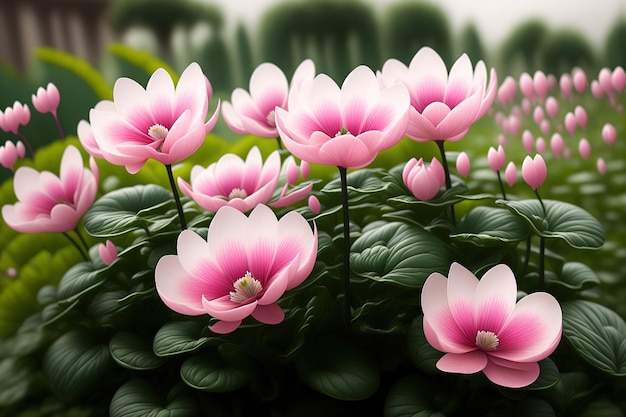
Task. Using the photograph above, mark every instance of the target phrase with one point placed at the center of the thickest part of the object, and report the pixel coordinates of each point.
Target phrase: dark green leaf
(76, 364)
(549, 376)
(598, 334)
(489, 226)
(124, 210)
(415, 396)
(561, 220)
(575, 276)
(602, 408)
(339, 369)
(80, 279)
(133, 352)
(137, 398)
(15, 381)
(421, 353)
(179, 337)
(398, 253)
(210, 372)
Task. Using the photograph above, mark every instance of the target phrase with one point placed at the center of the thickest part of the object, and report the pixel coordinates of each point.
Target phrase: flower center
(343, 131)
(158, 132)
(237, 193)
(246, 287)
(271, 118)
(487, 340)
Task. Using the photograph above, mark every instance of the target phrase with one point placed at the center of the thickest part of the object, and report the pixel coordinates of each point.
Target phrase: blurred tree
(162, 16)
(522, 47)
(411, 25)
(244, 55)
(615, 49)
(215, 60)
(471, 44)
(564, 49)
(337, 34)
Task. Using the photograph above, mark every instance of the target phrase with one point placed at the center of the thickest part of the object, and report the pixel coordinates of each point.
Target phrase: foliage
(522, 46)
(565, 49)
(614, 51)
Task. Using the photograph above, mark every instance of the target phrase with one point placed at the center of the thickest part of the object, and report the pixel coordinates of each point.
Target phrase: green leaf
(210, 372)
(575, 276)
(79, 280)
(398, 253)
(179, 337)
(339, 369)
(415, 396)
(489, 226)
(119, 211)
(597, 333)
(137, 398)
(602, 408)
(15, 381)
(549, 376)
(561, 220)
(421, 353)
(132, 351)
(75, 364)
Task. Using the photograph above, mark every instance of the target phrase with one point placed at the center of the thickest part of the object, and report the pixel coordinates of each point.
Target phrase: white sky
(493, 18)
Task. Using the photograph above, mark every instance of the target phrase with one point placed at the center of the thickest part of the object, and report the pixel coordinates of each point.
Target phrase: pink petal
(224, 327)
(463, 363)
(346, 151)
(461, 292)
(171, 284)
(269, 314)
(495, 298)
(511, 374)
(225, 309)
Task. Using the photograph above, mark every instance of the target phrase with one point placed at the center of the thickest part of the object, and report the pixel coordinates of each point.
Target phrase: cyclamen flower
(480, 327)
(162, 122)
(107, 252)
(443, 106)
(48, 203)
(254, 112)
(496, 158)
(47, 99)
(344, 127)
(14, 117)
(423, 180)
(242, 269)
(534, 171)
(10, 152)
(233, 182)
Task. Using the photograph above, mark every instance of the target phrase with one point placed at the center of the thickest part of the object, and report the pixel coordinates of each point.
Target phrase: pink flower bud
(510, 174)
(21, 149)
(8, 155)
(526, 86)
(12, 272)
(463, 164)
(46, 100)
(545, 127)
(501, 140)
(570, 123)
(314, 205)
(526, 105)
(552, 107)
(601, 166)
(580, 79)
(584, 148)
(565, 83)
(581, 116)
(540, 144)
(604, 78)
(557, 144)
(292, 171)
(15, 116)
(596, 90)
(513, 124)
(528, 141)
(424, 181)
(496, 158)
(538, 115)
(609, 134)
(618, 79)
(506, 92)
(540, 82)
(305, 169)
(534, 171)
(108, 252)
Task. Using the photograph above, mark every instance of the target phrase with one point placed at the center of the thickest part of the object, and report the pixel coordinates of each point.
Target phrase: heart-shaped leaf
(210, 372)
(79, 280)
(179, 337)
(489, 226)
(561, 220)
(575, 276)
(398, 253)
(120, 211)
(137, 398)
(132, 351)
(597, 333)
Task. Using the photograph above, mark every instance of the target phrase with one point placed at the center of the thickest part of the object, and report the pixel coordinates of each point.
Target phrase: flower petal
(511, 374)
(463, 363)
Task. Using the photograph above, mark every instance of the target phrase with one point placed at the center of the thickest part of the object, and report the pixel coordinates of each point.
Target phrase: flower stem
(28, 145)
(346, 250)
(58, 122)
(179, 206)
(82, 239)
(82, 253)
(542, 247)
(280, 143)
(501, 185)
(444, 162)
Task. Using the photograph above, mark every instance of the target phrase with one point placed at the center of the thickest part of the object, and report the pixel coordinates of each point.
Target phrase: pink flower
(480, 327)
(162, 122)
(570, 123)
(242, 269)
(14, 117)
(254, 112)
(552, 107)
(9, 154)
(534, 171)
(85, 136)
(48, 203)
(528, 140)
(581, 116)
(233, 182)
(557, 144)
(47, 99)
(510, 174)
(618, 79)
(314, 205)
(507, 90)
(107, 252)
(527, 86)
(496, 158)
(609, 134)
(584, 148)
(424, 181)
(443, 106)
(601, 166)
(540, 84)
(579, 79)
(344, 127)
(463, 164)
(565, 82)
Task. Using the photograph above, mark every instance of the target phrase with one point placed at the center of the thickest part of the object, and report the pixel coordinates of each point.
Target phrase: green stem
(179, 206)
(82, 253)
(31, 151)
(280, 143)
(346, 250)
(58, 122)
(542, 248)
(82, 239)
(444, 162)
(501, 185)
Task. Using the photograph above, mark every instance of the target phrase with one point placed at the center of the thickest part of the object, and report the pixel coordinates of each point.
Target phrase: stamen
(271, 118)
(158, 132)
(343, 131)
(246, 287)
(486, 340)
(237, 193)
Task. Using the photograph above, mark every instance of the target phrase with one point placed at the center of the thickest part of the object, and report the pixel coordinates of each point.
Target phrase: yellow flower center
(486, 340)
(246, 287)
